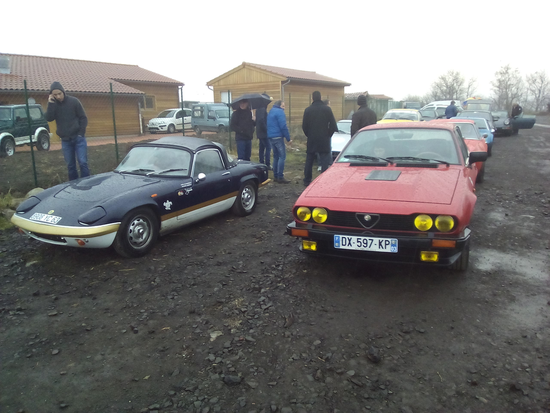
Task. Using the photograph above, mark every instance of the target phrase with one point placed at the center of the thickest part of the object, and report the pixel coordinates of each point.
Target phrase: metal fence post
(229, 107)
(114, 120)
(182, 112)
(30, 131)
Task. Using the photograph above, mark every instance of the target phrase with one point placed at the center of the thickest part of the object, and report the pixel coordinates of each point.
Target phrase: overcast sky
(396, 48)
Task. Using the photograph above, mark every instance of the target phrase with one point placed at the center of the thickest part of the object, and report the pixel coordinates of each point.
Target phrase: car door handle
(226, 173)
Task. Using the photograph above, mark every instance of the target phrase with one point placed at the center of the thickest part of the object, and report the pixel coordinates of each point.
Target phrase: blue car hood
(99, 187)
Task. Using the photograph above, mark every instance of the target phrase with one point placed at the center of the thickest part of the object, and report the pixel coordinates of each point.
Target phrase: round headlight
(303, 214)
(320, 215)
(444, 223)
(423, 222)
(507, 122)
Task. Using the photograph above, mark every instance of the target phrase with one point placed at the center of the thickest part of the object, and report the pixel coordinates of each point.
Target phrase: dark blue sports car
(160, 186)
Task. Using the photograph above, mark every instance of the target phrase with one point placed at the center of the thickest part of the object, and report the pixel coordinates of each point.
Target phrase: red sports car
(473, 139)
(398, 192)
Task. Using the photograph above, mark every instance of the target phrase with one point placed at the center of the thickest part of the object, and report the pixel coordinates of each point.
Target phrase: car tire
(171, 128)
(490, 149)
(197, 130)
(43, 141)
(481, 175)
(461, 264)
(222, 129)
(7, 147)
(245, 204)
(137, 234)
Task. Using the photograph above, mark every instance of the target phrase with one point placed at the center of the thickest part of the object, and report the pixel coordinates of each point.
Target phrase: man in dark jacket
(451, 111)
(71, 121)
(364, 116)
(318, 125)
(261, 134)
(243, 123)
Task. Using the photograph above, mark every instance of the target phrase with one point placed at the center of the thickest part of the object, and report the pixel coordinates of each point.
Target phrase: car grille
(377, 221)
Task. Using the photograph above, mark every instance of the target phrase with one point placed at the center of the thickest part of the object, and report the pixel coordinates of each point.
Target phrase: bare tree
(471, 87)
(448, 86)
(507, 87)
(538, 89)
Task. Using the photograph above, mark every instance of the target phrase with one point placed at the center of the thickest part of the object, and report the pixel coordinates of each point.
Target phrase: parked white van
(170, 120)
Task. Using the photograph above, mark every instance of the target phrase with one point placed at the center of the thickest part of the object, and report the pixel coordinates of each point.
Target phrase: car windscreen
(481, 123)
(166, 114)
(344, 127)
(400, 115)
(402, 143)
(479, 106)
(146, 160)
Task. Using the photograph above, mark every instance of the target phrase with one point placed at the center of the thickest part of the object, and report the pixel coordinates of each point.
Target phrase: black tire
(137, 234)
(246, 201)
(461, 264)
(197, 130)
(171, 128)
(7, 147)
(222, 129)
(43, 141)
(481, 175)
(490, 150)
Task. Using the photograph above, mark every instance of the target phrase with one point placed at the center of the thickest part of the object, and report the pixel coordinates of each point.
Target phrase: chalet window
(148, 102)
(226, 97)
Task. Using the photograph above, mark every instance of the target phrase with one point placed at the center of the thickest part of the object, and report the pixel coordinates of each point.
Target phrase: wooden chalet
(139, 94)
(293, 86)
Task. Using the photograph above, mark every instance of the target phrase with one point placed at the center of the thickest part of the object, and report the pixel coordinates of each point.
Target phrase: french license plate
(365, 243)
(50, 219)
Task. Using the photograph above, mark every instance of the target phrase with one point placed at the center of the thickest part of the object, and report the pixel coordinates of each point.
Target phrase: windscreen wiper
(368, 158)
(413, 158)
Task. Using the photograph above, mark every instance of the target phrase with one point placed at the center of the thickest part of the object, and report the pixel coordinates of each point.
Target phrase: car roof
(474, 118)
(402, 110)
(411, 125)
(454, 120)
(189, 142)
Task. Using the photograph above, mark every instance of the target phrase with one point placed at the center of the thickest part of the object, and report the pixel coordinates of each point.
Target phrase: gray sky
(394, 48)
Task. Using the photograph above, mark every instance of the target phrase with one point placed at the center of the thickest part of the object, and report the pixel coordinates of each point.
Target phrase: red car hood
(414, 185)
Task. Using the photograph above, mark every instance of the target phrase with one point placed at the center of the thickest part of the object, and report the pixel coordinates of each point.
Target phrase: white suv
(170, 120)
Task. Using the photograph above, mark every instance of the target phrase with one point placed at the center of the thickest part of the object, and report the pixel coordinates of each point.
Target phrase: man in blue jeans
(277, 132)
(71, 121)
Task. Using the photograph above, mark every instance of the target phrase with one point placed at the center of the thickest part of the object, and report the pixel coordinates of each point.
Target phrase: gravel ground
(228, 316)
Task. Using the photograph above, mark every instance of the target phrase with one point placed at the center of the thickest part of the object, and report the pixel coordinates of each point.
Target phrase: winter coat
(261, 123)
(276, 124)
(451, 111)
(318, 125)
(242, 124)
(69, 115)
(364, 116)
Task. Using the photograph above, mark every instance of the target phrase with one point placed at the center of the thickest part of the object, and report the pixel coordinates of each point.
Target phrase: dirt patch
(228, 316)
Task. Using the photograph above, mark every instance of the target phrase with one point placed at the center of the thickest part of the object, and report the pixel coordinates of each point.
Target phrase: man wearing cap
(71, 121)
(364, 116)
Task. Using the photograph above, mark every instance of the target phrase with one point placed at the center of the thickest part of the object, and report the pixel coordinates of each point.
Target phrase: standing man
(364, 116)
(451, 111)
(71, 121)
(516, 111)
(277, 132)
(261, 133)
(318, 125)
(243, 123)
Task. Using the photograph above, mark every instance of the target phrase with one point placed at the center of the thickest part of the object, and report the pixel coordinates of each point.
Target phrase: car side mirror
(477, 157)
(200, 177)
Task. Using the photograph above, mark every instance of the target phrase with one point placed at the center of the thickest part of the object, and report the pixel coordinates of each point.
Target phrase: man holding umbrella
(243, 121)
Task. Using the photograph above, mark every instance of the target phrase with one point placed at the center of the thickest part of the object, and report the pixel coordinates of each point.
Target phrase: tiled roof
(355, 95)
(75, 75)
(298, 74)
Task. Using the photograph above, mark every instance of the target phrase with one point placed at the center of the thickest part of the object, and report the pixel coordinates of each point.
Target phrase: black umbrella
(256, 100)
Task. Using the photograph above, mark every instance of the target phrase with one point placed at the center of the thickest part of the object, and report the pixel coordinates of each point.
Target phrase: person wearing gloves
(71, 121)
(277, 132)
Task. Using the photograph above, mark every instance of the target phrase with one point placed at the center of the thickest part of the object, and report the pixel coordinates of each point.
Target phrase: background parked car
(342, 137)
(486, 131)
(14, 128)
(210, 117)
(170, 120)
(502, 122)
(401, 115)
(429, 114)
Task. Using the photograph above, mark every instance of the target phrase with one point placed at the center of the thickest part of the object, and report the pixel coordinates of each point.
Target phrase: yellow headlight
(320, 215)
(303, 214)
(444, 223)
(423, 222)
